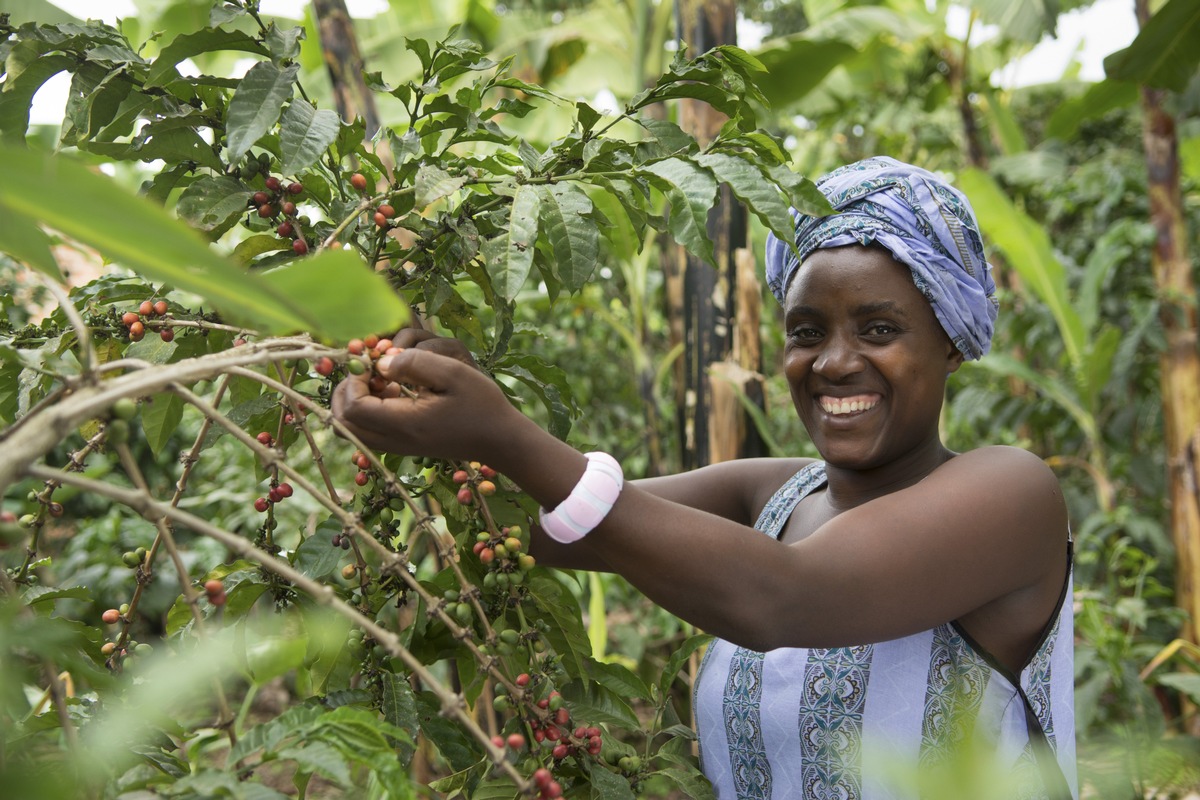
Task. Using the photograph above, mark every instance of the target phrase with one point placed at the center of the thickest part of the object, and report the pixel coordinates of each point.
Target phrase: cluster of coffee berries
(134, 558)
(135, 321)
(483, 480)
(558, 735)
(276, 200)
(214, 589)
(514, 742)
(360, 460)
(275, 494)
(504, 558)
(122, 411)
(543, 781)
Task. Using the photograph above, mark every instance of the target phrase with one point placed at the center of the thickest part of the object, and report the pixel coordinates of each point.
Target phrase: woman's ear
(954, 359)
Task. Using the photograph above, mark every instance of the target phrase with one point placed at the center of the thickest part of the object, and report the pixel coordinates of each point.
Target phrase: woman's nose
(839, 358)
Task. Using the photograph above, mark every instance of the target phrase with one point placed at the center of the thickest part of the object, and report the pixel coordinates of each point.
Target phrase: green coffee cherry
(125, 408)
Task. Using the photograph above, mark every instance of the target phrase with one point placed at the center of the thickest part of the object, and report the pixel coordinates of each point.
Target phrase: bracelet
(589, 502)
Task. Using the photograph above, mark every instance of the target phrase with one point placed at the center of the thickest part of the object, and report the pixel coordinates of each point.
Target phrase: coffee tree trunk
(343, 59)
(719, 365)
(1180, 362)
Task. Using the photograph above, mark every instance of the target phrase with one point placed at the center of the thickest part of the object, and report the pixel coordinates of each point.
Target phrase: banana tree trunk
(710, 412)
(1180, 360)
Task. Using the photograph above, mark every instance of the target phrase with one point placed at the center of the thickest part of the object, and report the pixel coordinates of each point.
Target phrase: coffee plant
(176, 409)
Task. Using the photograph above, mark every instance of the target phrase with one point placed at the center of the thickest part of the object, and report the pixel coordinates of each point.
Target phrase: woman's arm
(986, 525)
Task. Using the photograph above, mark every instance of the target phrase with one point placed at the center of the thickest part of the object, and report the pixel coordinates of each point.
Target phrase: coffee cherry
(273, 184)
(522, 679)
(295, 188)
(361, 461)
(286, 230)
(356, 367)
(136, 331)
(261, 198)
(289, 209)
(487, 488)
(461, 476)
(131, 559)
(125, 408)
(273, 495)
(161, 308)
(371, 341)
(356, 347)
(324, 365)
(129, 317)
(361, 478)
(266, 211)
(464, 496)
(498, 741)
(387, 211)
(515, 741)
(380, 220)
(214, 586)
(542, 777)
(146, 309)
(261, 504)
(299, 247)
(111, 616)
(284, 489)
(117, 431)
(167, 334)
(264, 438)
(108, 648)
(512, 544)
(487, 472)
(560, 751)
(218, 599)
(349, 571)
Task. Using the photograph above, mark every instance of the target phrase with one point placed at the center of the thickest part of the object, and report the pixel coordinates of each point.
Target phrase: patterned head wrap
(924, 222)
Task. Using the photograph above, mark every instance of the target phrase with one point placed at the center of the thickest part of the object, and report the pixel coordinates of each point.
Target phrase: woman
(907, 602)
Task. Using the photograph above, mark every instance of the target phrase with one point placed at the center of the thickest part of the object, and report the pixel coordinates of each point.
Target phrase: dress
(853, 723)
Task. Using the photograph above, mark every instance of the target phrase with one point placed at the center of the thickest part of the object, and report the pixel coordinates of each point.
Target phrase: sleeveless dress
(866, 722)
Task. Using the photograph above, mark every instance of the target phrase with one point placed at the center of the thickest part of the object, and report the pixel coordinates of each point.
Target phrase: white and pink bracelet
(589, 502)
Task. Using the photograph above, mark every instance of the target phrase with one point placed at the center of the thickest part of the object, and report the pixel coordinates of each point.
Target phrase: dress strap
(781, 505)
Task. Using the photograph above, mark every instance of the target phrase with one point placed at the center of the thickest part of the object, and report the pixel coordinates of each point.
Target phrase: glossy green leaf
(692, 192)
(399, 707)
(749, 185)
(1166, 51)
(209, 40)
(320, 758)
(305, 134)
(213, 203)
(511, 256)
(160, 418)
(433, 183)
(607, 785)
(571, 233)
(255, 106)
(1028, 249)
(139, 235)
(268, 657)
(340, 295)
(1019, 20)
(20, 87)
(567, 635)
(679, 658)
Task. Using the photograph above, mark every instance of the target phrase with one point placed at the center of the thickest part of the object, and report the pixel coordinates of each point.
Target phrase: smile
(842, 406)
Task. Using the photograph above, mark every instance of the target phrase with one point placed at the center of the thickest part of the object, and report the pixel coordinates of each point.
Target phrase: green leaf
(433, 183)
(21, 85)
(619, 679)
(399, 707)
(160, 418)
(752, 187)
(690, 782)
(320, 758)
(316, 556)
(305, 134)
(163, 71)
(692, 192)
(567, 635)
(512, 253)
(1166, 50)
(1186, 682)
(139, 235)
(599, 704)
(255, 106)
(1027, 247)
(679, 658)
(329, 284)
(795, 65)
(213, 204)
(22, 239)
(574, 239)
(606, 785)
(1098, 100)
(268, 657)
(459, 750)
(1019, 20)
(284, 43)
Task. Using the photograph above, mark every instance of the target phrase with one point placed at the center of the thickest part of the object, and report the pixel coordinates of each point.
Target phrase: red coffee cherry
(356, 347)
(217, 599)
(167, 334)
(324, 366)
(299, 247)
(111, 616)
(214, 586)
(358, 181)
(464, 496)
(560, 751)
(522, 679)
(381, 220)
(160, 308)
(261, 504)
(266, 211)
(295, 188)
(264, 438)
(146, 309)
(361, 478)
(289, 209)
(273, 184)
(461, 476)
(284, 489)
(129, 317)
(371, 341)
(286, 229)
(261, 198)
(136, 331)
(273, 495)
(387, 211)
(515, 741)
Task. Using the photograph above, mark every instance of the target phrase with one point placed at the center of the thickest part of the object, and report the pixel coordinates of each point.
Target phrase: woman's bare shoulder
(735, 489)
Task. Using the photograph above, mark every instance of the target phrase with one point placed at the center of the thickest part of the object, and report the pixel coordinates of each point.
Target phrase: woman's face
(865, 358)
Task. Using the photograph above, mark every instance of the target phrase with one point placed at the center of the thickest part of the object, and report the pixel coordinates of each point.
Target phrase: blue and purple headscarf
(924, 222)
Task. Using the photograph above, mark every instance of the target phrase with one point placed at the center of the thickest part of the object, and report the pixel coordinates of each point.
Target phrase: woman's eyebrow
(881, 307)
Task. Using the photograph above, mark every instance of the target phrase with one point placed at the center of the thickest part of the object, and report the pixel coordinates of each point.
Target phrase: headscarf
(924, 222)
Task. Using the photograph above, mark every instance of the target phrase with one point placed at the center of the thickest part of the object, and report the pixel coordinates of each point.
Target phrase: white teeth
(833, 405)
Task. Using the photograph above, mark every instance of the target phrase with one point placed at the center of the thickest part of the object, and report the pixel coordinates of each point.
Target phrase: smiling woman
(905, 609)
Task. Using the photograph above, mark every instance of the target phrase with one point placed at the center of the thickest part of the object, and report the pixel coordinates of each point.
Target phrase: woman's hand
(437, 403)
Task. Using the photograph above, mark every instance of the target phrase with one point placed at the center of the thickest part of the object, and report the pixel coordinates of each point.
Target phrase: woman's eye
(804, 335)
(882, 329)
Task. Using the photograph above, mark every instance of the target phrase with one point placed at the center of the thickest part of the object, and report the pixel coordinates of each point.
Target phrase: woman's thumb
(417, 367)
